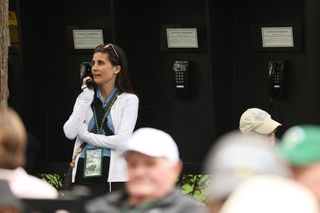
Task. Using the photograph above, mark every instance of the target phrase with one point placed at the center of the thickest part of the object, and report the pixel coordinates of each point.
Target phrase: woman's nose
(93, 68)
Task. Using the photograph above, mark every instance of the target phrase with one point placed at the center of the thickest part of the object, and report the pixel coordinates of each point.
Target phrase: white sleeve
(126, 127)
(73, 125)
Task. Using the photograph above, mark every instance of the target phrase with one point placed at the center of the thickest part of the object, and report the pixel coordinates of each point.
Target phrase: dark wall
(28, 68)
(221, 49)
(251, 65)
(311, 78)
(190, 120)
(227, 76)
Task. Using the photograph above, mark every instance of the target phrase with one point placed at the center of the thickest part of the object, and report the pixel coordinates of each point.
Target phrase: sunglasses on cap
(114, 50)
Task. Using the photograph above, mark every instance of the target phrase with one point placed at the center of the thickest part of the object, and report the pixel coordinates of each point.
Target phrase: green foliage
(195, 185)
(54, 179)
(191, 184)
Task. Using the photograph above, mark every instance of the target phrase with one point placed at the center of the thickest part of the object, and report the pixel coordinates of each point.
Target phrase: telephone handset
(85, 71)
(276, 78)
(181, 78)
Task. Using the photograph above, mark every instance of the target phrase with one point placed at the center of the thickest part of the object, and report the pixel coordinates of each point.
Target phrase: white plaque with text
(277, 37)
(87, 39)
(182, 37)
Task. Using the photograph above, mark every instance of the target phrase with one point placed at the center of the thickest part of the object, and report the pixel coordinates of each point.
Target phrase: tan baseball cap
(257, 120)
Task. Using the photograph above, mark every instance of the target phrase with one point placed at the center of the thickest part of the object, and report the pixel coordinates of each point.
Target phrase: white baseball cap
(257, 120)
(153, 142)
(238, 156)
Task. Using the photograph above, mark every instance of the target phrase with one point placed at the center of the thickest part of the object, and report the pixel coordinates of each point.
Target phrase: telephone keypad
(179, 77)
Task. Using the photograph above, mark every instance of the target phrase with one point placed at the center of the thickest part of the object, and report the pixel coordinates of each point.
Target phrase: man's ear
(179, 167)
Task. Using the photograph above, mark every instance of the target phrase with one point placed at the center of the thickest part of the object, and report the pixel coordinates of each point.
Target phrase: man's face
(150, 178)
(310, 177)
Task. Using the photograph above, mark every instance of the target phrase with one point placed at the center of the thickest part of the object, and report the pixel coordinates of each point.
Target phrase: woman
(103, 117)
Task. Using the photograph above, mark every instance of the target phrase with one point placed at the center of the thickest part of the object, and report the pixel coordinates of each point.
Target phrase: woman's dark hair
(117, 57)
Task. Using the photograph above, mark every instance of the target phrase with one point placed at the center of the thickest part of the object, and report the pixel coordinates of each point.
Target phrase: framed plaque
(87, 39)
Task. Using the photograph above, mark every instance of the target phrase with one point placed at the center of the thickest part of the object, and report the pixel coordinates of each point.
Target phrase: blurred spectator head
(265, 194)
(8, 203)
(300, 145)
(258, 121)
(153, 164)
(12, 140)
(234, 158)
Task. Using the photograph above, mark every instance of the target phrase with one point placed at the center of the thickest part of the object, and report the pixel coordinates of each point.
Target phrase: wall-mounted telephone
(181, 78)
(276, 78)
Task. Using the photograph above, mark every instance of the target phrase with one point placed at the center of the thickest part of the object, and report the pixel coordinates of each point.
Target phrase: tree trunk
(4, 45)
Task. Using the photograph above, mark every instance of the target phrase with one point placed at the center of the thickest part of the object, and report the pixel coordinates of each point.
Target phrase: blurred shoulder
(185, 203)
(106, 203)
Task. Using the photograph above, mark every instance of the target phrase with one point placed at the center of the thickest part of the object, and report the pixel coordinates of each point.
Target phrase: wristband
(84, 86)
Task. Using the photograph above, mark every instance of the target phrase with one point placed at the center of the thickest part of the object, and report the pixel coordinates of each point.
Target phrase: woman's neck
(106, 90)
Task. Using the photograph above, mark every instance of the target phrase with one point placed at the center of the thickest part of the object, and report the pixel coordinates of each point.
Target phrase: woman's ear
(117, 69)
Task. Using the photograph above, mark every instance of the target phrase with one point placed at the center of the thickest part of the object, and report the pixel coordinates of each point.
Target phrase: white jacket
(124, 113)
(24, 185)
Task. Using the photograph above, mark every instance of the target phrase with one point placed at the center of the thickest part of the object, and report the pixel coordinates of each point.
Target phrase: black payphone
(181, 78)
(276, 78)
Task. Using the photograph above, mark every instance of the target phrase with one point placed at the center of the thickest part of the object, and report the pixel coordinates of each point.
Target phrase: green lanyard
(108, 108)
